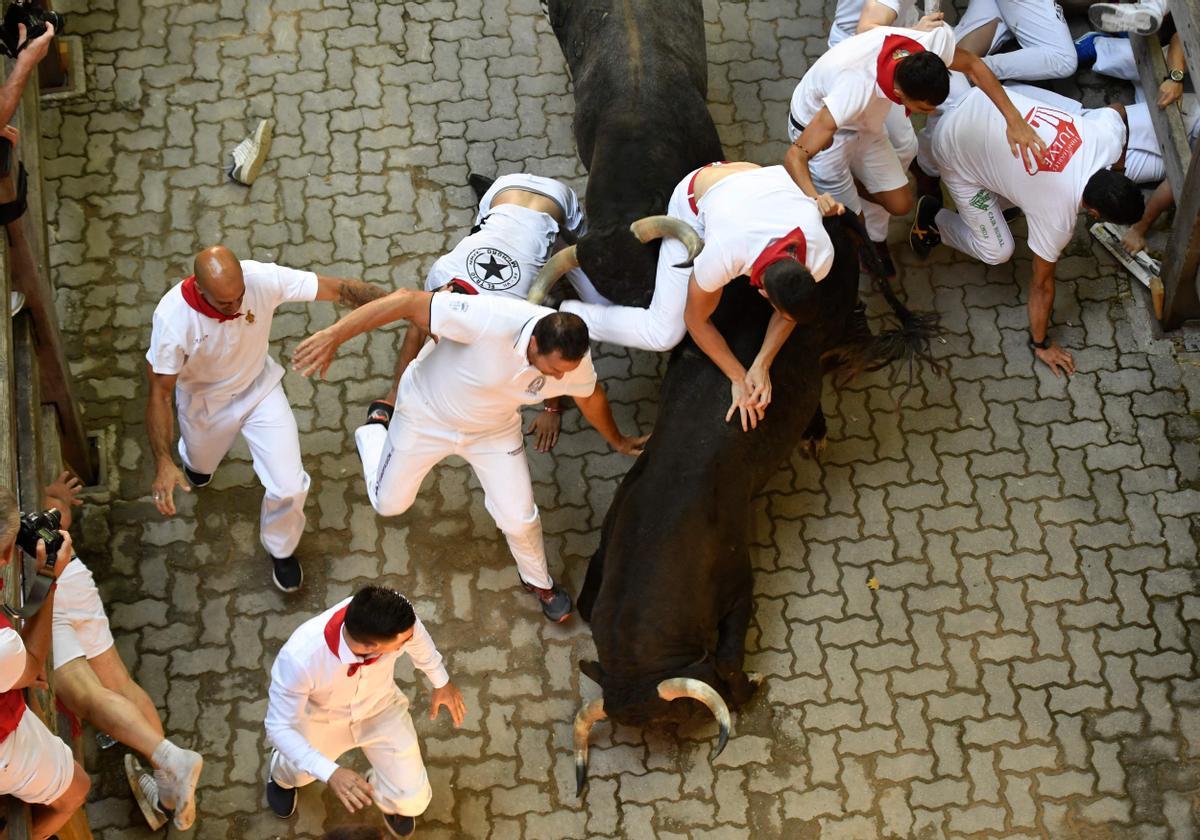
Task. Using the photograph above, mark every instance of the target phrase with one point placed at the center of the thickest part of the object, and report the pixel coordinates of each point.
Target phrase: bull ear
(591, 669)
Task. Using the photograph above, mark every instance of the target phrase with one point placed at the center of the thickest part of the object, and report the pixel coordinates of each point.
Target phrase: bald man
(209, 348)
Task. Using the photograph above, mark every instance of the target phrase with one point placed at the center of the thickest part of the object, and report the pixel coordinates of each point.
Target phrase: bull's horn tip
(722, 741)
(580, 778)
(685, 264)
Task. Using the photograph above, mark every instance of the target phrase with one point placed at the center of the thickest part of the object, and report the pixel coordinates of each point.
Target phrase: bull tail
(908, 342)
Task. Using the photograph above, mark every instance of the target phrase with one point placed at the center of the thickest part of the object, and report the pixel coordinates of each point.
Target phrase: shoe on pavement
(924, 235)
(176, 777)
(379, 413)
(282, 800)
(399, 825)
(145, 792)
(1124, 17)
(197, 479)
(250, 155)
(287, 573)
(556, 603)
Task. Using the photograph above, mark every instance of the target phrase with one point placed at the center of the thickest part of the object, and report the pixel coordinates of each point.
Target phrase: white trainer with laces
(145, 792)
(250, 155)
(1139, 18)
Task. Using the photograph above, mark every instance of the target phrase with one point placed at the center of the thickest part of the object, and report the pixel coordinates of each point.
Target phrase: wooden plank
(1168, 123)
(28, 407)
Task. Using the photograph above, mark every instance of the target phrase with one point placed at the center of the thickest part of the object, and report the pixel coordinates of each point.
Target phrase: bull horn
(677, 687)
(659, 227)
(584, 721)
(555, 267)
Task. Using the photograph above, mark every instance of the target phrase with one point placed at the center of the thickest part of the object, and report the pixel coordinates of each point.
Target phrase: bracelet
(1044, 344)
(552, 410)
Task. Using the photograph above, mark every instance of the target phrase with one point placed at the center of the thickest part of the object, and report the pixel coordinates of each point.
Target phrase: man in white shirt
(333, 688)
(1045, 51)
(461, 397)
(1082, 169)
(35, 765)
(755, 222)
(92, 681)
(209, 348)
(839, 109)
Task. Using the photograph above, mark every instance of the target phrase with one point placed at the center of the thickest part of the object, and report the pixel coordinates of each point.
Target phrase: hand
(65, 553)
(928, 23)
(37, 48)
(750, 414)
(10, 133)
(164, 487)
(1169, 92)
(634, 445)
(1025, 143)
(1134, 240)
(65, 490)
(315, 353)
(758, 384)
(830, 206)
(1056, 358)
(354, 791)
(545, 429)
(452, 699)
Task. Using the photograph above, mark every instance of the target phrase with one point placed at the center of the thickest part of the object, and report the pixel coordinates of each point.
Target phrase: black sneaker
(923, 237)
(282, 800)
(379, 413)
(1012, 214)
(399, 825)
(197, 479)
(287, 574)
(556, 603)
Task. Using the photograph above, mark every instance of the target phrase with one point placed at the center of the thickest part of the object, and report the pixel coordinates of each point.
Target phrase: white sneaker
(1124, 17)
(145, 792)
(251, 154)
(177, 779)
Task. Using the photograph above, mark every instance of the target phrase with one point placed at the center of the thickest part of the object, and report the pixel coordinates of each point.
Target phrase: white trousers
(206, 432)
(389, 742)
(1114, 57)
(397, 459)
(660, 326)
(1046, 48)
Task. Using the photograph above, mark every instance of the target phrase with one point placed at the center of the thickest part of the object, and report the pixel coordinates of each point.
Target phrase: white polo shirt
(12, 666)
(849, 13)
(971, 147)
(223, 359)
(477, 376)
(309, 685)
(505, 255)
(844, 79)
(743, 213)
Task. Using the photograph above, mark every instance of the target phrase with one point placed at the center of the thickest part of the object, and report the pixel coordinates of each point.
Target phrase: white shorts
(35, 765)
(80, 626)
(867, 156)
(556, 191)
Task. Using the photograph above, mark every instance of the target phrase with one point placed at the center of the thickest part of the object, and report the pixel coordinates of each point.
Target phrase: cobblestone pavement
(1026, 667)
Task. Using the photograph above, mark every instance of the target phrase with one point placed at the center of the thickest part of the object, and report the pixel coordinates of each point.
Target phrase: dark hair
(377, 614)
(1114, 197)
(923, 76)
(791, 289)
(562, 331)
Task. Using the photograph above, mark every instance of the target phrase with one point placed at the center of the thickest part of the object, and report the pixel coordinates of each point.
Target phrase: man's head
(789, 287)
(558, 344)
(378, 620)
(219, 275)
(1111, 197)
(922, 82)
(10, 524)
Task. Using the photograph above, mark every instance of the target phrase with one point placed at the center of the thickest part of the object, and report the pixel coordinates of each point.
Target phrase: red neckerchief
(191, 294)
(895, 48)
(12, 702)
(333, 636)
(462, 287)
(793, 246)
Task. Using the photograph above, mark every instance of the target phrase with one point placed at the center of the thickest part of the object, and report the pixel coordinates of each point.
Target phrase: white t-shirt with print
(744, 213)
(504, 255)
(971, 147)
(844, 79)
(477, 376)
(223, 359)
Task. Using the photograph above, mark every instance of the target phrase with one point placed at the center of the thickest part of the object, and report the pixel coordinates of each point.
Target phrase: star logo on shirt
(492, 269)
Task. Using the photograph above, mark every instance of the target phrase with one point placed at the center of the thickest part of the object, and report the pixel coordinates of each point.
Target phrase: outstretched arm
(758, 378)
(698, 317)
(352, 293)
(816, 136)
(599, 413)
(1041, 305)
(315, 353)
(1022, 139)
(1159, 203)
(160, 428)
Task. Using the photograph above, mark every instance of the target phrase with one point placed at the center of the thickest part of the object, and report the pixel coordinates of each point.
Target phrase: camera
(34, 19)
(41, 526)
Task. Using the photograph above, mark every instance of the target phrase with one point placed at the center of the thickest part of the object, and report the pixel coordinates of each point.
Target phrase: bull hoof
(813, 448)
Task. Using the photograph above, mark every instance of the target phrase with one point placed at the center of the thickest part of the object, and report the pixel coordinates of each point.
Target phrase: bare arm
(817, 135)
(1160, 202)
(26, 62)
(414, 340)
(1170, 92)
(697, 315)
(36, 634)
(315, 353)
(160, 428)
(1022, 139)
(352, 293)
(1041, 305)
(599, 413)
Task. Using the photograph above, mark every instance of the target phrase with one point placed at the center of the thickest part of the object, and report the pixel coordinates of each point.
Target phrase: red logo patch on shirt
(1063, 146)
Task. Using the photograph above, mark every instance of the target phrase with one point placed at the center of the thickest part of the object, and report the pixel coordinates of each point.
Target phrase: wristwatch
(1175, 76)
(1044, 344)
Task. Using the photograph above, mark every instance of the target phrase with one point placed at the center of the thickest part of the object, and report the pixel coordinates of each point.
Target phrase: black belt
(795, 124)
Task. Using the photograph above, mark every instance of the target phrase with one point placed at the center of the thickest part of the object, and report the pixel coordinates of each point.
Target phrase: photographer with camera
(92, 681)
(35, 765)
(27, 51)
